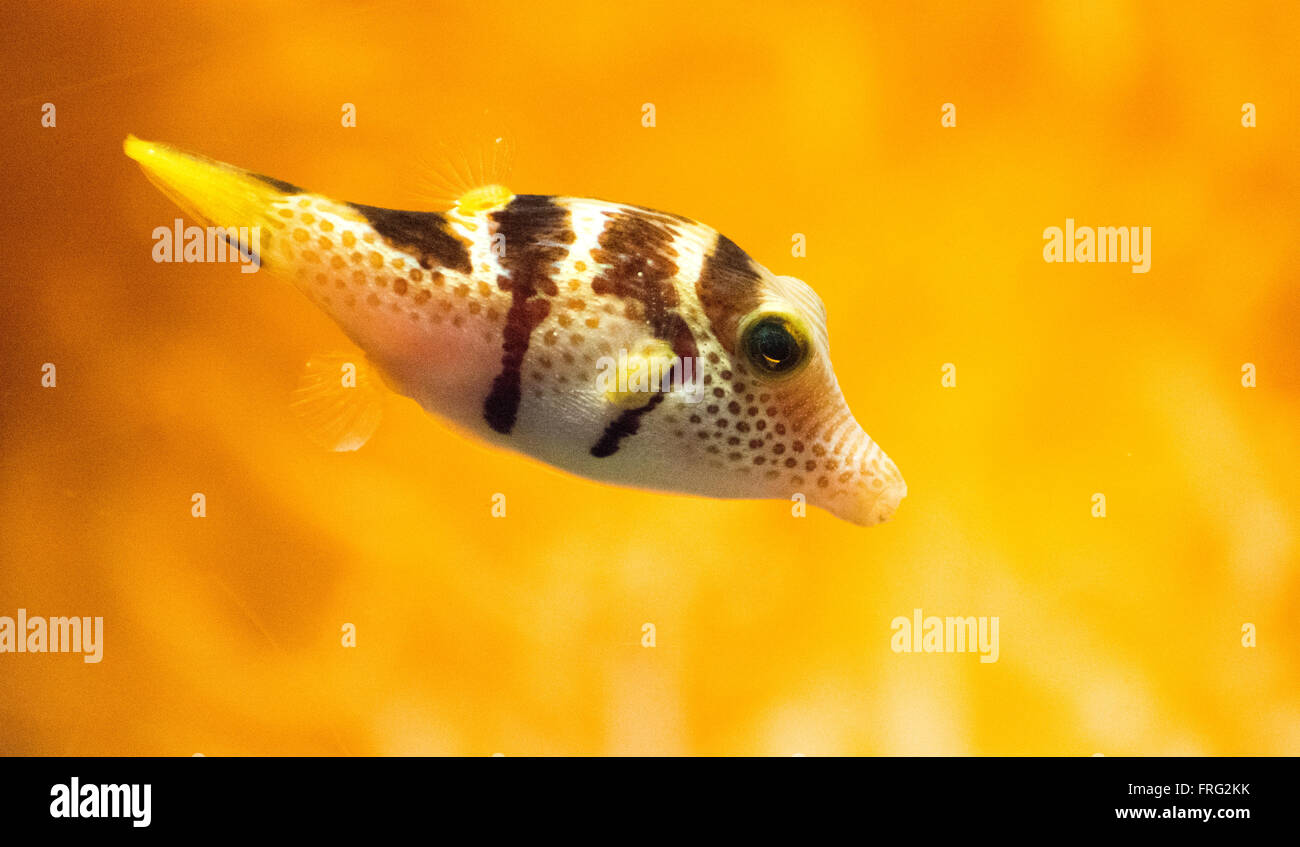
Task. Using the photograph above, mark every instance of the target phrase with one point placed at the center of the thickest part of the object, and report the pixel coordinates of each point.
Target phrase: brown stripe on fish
(427, 236)
(536, 233)
(627, 423)
(638, 258)
(728, 289)
(636, 252)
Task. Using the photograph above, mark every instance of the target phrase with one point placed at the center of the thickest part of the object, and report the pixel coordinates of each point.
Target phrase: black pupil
(773, 346)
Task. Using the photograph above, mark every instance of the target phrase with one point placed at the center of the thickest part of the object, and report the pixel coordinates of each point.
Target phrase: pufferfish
(497, 315)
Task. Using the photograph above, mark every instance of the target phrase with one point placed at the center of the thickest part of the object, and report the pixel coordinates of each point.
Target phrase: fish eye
(774, 345)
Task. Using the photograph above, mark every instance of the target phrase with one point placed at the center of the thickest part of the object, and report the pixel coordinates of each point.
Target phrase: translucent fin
(459, 164)
(339, 400)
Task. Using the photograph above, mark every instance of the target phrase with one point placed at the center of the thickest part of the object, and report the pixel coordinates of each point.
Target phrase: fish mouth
(870, 509)
(874, 497)
(887, 503)
(874, 503)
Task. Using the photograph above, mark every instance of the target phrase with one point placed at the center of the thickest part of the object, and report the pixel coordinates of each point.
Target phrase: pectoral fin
(639, 374)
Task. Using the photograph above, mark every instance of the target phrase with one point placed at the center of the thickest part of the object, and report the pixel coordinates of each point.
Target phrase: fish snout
(874, 497)
(887, 503)
(869, 508)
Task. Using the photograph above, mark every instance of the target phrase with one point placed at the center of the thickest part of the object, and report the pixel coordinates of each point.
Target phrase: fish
(625, 345)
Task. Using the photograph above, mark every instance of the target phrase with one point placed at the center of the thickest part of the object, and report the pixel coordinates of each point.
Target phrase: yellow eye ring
(775, 343)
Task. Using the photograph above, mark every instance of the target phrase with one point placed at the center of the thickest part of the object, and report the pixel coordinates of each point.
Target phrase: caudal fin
(208, 191)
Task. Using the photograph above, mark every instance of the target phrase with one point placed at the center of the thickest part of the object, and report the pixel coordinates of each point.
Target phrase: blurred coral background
(1119, 635)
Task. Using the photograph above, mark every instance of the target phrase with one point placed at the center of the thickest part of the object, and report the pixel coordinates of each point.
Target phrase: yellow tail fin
(206, 190)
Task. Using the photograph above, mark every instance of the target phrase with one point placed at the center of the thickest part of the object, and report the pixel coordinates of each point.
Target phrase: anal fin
(339, 401)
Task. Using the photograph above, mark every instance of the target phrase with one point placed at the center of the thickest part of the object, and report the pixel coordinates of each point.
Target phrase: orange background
(1119, 635)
